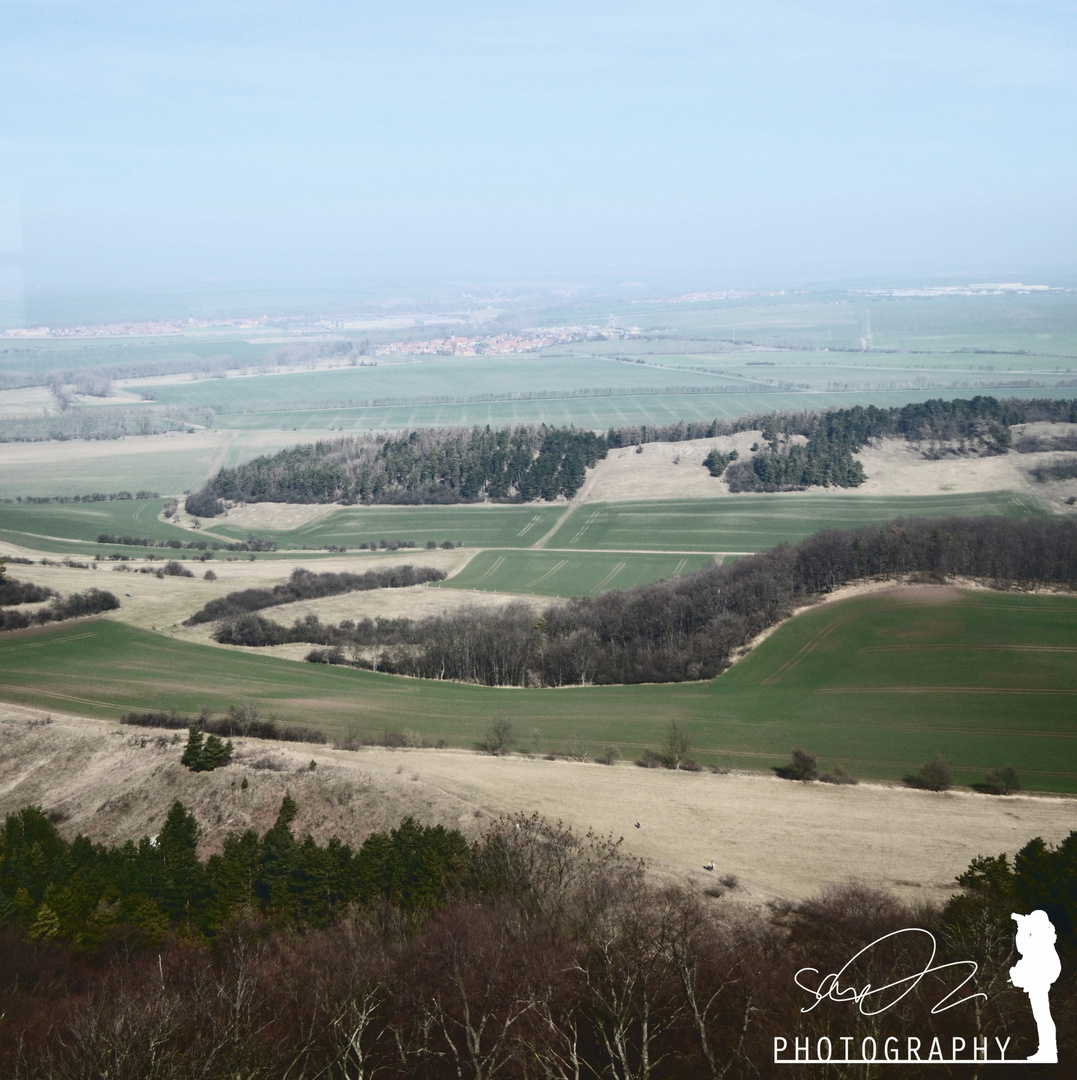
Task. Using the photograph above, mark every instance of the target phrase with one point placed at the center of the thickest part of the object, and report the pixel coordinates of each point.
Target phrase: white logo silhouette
(1038, 967)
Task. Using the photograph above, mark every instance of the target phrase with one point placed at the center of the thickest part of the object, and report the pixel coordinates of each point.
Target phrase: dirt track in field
(780, 839)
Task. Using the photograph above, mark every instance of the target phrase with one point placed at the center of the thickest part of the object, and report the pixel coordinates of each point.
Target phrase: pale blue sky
(172, 144)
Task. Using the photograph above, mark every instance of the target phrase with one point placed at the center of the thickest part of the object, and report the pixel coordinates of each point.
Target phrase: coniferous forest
(525, 464)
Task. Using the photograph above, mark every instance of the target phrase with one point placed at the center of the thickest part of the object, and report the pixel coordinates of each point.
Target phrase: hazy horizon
(237, 146)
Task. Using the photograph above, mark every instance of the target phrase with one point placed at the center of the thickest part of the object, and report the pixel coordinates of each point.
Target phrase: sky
(169, 144)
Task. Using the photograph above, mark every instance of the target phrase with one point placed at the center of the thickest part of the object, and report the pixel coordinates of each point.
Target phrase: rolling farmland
(876, 683)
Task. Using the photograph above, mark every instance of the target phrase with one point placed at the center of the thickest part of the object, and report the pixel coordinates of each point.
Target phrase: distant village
(526, 341)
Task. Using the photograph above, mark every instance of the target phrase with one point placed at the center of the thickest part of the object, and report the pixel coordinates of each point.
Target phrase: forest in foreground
(531, 952)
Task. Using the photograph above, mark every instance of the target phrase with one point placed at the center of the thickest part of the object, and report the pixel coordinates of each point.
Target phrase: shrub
(498, 736)
(1004, 781)
(804, 766)
(649, 760)
(203, 504)
(676, 746)
(934, 775)
(838, 776)
(609, 756)
(176, 569)
(209, 575)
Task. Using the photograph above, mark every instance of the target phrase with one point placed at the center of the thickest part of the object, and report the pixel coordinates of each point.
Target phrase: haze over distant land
(688, 145)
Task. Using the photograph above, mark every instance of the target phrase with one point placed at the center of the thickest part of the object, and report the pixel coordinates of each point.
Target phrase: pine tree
(182, 878)
(214, 753)
(192, 753)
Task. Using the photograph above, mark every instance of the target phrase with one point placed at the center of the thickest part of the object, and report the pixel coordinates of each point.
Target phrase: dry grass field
(893, 467)
(780, 839)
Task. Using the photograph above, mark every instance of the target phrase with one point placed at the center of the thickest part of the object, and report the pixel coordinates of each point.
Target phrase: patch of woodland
(307, 585)
(687, 627)
(1055, 470)
(100, 423)
(14, 592)
(1037, 444)
(530, 952)
(527, 463)
(92, 497)
(73, 606)
(427, 466)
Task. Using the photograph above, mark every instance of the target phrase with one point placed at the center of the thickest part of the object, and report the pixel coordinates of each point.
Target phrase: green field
(747, 523)
(726, 524)
(171, 468)
(873, 683)
(84, 521)
(599, 411)
(549, 573)
(665, 529)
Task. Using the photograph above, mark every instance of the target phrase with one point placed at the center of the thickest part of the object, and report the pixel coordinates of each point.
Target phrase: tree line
(532, 952)
(306, 585)
(73, 606)
(527, 463)
(685, 627)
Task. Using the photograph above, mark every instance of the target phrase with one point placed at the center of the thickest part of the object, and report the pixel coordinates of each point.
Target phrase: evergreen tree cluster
(86, 893)
(715, 462)
(1039, 877)
(440, 466)
(522, 464)
(204, 753)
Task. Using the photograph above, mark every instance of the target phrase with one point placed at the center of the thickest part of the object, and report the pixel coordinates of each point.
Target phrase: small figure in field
(637, 824)
(709, 865)
(1038, 967)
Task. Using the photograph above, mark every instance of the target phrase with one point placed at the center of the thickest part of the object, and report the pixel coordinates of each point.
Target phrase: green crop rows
(754, 522)
(550, 573)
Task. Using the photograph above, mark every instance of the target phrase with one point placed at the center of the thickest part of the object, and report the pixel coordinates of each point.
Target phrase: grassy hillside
(876, 683)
